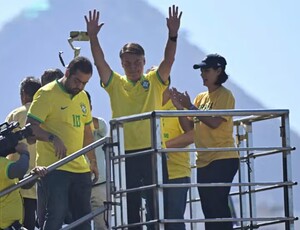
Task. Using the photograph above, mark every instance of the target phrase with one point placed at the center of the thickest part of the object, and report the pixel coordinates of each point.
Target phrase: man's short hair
(50, 75)
(82, 64)
(29, 85)
(132, 48)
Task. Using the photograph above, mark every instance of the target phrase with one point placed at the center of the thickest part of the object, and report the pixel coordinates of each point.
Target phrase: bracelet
(173, 39)
(51, 138)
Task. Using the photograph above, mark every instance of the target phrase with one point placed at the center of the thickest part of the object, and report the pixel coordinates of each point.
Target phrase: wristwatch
(51, 137)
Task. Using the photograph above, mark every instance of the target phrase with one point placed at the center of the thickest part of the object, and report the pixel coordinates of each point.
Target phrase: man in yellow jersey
(48, 76)
(177, 133)
(28, 88)
(135, 93)
(60, 118)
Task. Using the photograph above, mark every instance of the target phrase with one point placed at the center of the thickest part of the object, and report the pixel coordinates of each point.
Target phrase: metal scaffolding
(247, 187)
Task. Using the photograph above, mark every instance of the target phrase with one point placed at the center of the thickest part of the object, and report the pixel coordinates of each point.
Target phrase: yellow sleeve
(40, 108)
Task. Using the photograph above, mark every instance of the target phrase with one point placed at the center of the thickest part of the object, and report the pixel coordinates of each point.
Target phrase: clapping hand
(180, 100)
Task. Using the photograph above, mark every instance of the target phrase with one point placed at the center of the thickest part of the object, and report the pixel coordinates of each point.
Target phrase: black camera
(9, 139)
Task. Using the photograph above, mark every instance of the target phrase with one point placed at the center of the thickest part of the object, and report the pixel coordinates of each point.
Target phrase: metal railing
(247, 185)
(30, 178)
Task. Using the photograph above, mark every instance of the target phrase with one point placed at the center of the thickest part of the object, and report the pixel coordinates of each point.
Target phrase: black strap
(14, 226)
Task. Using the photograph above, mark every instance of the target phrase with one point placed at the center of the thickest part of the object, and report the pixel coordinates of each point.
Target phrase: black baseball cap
(212, 61)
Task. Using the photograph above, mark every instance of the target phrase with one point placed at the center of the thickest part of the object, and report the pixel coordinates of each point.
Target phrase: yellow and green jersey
(206, 137)
(178, 163)
(64, 116)
(11, 205)
(128, 98)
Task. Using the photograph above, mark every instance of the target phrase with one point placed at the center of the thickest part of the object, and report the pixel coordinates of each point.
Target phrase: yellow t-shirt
(128, 98)
(206, 137)
(64, 116)
(11, 205)
(178, 163)
(20, 115)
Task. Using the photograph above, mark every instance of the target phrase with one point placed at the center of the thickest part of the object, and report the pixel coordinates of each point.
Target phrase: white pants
(97, 198)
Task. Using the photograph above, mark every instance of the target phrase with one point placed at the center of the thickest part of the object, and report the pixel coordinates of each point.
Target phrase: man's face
(76, 82)
(133, 66)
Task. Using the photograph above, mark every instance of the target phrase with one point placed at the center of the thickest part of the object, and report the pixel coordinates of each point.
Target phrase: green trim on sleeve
(88, 123)
(35, 118)
(109, 80)
(161, 81)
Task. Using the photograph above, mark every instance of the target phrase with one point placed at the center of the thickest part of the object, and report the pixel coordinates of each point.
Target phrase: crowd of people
(59, 112)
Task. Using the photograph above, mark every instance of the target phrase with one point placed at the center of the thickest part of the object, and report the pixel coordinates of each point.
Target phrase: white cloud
(14, 8)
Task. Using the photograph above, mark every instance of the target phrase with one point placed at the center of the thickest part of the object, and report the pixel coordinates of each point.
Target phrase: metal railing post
(287, 171)
(119, 174)
(241, 142)
(158, 175)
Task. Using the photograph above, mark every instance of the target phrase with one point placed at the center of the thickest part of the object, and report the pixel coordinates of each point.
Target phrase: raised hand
(180, 98)
(175, 98)
(92, 23)
(173, 21)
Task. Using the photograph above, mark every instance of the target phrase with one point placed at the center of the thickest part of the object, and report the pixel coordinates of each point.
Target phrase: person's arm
(184, 100)
(186, 124)
(182, 140)
(93, 28)
(43, 135)
(212, 122)
(40, 171)
(88, 139)
(20, 167)
(173, 24)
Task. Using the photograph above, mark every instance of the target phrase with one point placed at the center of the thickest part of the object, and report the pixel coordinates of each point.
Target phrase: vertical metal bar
(287, 171)
(251, 176)
(109, 183)
(158, 170)
(122, 174)
(116, 178)
(241, 134)
(194, 194)
(119, 172)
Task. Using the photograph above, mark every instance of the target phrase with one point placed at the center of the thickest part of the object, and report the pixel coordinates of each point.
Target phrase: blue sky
(260, 40)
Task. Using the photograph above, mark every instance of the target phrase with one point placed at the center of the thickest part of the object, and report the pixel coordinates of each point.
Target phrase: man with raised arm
(134, 93)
